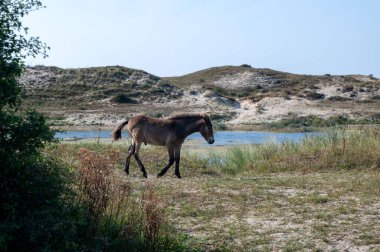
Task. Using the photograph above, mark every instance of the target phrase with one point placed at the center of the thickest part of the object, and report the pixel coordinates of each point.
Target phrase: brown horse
(170, 132)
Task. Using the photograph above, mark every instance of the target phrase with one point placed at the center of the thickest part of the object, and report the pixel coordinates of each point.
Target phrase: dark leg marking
(171, 161)
(177, 155)
(136, 155)
(131, 150)
(142, 168)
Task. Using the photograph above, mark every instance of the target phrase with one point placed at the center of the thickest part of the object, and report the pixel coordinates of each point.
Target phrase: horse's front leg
(177, 156)
(128, 160)
(171, 161)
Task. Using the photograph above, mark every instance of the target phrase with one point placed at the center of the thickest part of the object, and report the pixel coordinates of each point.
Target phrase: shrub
(156, 114)
(36, 213)
(32, 187)
(219, 126)
(122, 98)
(153, 218)
(339, 98)
(315, 95)
(94, 176)
(245, 65)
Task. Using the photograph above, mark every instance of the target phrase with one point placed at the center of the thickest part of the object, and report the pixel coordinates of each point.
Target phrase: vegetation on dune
(76, 87)
(269, 83)
(228, 89)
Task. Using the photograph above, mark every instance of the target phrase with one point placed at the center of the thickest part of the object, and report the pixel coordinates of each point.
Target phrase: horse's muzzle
(211, 140)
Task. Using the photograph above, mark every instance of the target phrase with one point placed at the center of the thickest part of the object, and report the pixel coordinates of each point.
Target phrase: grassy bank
(312, 123)
(321, 194)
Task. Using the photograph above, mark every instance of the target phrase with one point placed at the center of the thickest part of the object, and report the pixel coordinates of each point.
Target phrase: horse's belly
(154, 141)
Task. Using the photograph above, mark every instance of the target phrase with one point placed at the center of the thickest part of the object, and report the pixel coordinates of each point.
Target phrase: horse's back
(145, 121)
(150, 130)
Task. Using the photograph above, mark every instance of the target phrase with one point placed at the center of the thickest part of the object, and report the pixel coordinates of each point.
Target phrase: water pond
(221, 137)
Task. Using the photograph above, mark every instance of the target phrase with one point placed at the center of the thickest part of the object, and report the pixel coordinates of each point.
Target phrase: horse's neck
(192, 127)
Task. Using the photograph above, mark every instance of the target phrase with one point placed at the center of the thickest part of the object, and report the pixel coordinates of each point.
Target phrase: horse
(170, 132)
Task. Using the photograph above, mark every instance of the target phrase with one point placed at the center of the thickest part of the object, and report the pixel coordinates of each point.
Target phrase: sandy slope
(84, 96)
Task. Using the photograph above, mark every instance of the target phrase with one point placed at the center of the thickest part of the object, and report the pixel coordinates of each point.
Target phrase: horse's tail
(116, 134)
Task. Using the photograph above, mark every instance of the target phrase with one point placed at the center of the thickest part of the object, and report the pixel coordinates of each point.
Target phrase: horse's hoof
(145, 175)
(159, 175)
(127, 172)
(178, 176)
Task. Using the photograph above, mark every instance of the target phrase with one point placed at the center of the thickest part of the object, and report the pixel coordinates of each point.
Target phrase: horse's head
(206, 130)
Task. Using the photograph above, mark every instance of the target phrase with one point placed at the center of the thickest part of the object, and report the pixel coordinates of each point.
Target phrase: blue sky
(175, 37)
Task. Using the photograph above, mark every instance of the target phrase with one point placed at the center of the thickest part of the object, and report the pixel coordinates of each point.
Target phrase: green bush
(35, 210)
(122, 98)
(246, 65)
(219, 126)
(33, 214)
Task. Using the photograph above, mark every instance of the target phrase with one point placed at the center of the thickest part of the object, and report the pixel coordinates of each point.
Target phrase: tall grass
(95, 183)
(154, 218)
(337, 149)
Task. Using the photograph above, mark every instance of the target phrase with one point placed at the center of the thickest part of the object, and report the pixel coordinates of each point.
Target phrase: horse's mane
(192, 115)
(187, 115)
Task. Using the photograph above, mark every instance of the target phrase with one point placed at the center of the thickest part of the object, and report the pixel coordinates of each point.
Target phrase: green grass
(266, 197)
(310, 123)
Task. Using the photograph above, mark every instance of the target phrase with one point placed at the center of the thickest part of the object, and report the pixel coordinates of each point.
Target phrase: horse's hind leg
(136, 154)
(131, 150)
(171, 161)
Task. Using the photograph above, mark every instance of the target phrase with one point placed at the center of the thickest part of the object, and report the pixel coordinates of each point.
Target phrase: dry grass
(119, 216)
(154, 217)
(95, 182)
